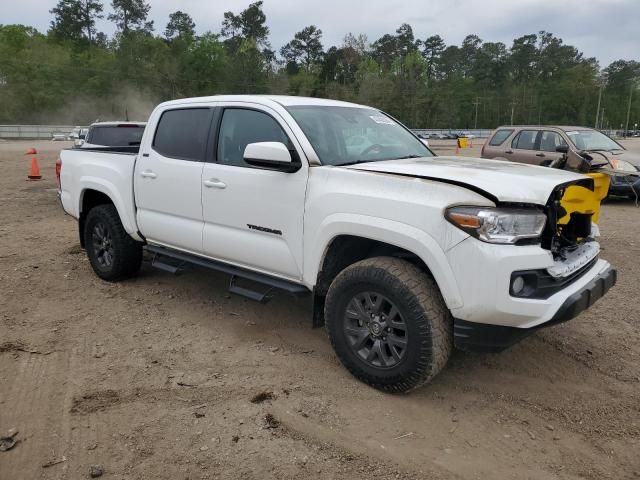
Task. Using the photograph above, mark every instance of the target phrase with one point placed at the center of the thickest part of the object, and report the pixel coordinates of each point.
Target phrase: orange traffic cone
(35, 170)
(31, 151)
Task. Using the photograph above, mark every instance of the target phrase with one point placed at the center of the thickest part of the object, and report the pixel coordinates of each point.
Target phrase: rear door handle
(214, 183)
(540, 154)
(509, 151)
(148, 174)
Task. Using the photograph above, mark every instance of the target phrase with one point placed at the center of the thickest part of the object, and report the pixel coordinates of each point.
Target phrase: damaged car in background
(550, 145)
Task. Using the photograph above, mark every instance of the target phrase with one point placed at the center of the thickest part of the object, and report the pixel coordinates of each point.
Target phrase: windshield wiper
(354, 162)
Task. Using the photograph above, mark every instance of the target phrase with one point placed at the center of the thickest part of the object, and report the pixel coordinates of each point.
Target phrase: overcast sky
(605, 29)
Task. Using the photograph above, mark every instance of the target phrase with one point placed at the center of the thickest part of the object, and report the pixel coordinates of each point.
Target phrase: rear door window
(525, 140)
(499, 137)
(183, 133)
(549, 141)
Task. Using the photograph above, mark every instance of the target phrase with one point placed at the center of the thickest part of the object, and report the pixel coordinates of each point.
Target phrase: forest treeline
(74, 73)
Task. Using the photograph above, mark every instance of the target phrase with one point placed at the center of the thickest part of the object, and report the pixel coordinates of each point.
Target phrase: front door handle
(540, 155)
(214, 183)
(148, 174)
(509, 151)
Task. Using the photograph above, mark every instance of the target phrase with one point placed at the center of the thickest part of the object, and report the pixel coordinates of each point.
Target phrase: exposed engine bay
(573, 213)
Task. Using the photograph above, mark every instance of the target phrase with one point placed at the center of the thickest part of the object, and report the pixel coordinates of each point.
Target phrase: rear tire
(388, 324)
(113, 254)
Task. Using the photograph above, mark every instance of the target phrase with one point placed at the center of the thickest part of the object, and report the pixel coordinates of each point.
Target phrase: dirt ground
(154, 378)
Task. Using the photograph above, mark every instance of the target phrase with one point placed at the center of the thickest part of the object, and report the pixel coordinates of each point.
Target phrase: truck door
(168, 178)
(253, 217)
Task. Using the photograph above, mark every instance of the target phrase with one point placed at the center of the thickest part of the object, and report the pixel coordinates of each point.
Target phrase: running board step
(167, 267)
(248, 293)
(163, 256)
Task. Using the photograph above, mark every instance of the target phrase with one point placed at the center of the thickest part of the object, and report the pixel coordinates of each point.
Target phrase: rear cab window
(499, 137)
(183, 133)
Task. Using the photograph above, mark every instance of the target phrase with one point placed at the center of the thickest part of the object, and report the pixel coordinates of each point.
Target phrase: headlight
(498, 225)
(623, 166)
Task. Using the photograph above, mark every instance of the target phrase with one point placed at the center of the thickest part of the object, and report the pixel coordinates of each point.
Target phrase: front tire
(388, 324)
(113, 254)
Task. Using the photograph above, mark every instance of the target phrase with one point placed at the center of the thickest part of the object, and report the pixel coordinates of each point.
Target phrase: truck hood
(498, 180)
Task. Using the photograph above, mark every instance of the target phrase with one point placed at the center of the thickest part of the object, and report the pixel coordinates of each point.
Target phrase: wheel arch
(94, 194)
(343, 244)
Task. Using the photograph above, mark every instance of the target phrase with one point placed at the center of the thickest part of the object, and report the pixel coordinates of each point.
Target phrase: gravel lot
(166, 377)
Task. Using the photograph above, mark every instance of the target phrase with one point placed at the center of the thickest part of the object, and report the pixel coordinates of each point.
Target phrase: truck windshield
(115, 135)
(592, 140)
(348, 135)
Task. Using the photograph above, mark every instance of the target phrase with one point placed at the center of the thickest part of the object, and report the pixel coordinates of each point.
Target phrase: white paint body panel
(507, 181)
(256, 197)
(109, 173)
(383, 201)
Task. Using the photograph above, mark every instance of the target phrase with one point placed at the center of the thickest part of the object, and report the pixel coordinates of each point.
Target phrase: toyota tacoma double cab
(405, 254)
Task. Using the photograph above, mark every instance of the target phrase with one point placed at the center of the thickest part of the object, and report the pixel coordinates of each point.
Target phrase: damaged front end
(571, 233)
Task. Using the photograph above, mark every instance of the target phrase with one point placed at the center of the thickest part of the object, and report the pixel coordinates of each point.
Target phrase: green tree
(206, 66)
(423, 83)
(180, 26)
(432, 49)
(249, 24)
(67, 21)
(305, 48)
(131, 15)
(405, 40)
(75, 20)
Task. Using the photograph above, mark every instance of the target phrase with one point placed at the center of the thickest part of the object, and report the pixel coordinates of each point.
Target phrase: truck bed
(107, 170)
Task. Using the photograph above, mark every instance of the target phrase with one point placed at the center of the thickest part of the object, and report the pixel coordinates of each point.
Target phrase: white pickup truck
(405, 253)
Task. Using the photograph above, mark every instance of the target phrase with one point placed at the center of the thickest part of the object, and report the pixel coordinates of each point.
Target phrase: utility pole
(476, 103)
(513, 108)
(598, 109)
(626, 126)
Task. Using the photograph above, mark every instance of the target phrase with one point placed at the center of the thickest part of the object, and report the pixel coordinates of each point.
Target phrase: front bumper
(471, 336)
(482, 272)
(625, 186)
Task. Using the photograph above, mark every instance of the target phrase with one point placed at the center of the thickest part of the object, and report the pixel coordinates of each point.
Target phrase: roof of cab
(284, 100)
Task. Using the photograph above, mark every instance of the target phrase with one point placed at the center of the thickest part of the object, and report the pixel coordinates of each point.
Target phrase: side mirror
(271, 156)
(82, 136)
(562, 148)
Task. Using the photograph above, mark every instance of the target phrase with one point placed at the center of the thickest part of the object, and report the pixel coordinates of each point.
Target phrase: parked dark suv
(539, 145)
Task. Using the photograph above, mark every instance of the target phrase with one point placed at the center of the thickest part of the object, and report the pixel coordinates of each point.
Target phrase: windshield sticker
(381, 119)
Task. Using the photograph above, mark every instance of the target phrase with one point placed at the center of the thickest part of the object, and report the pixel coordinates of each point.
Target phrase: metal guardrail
(34, 131)
(477, 133)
